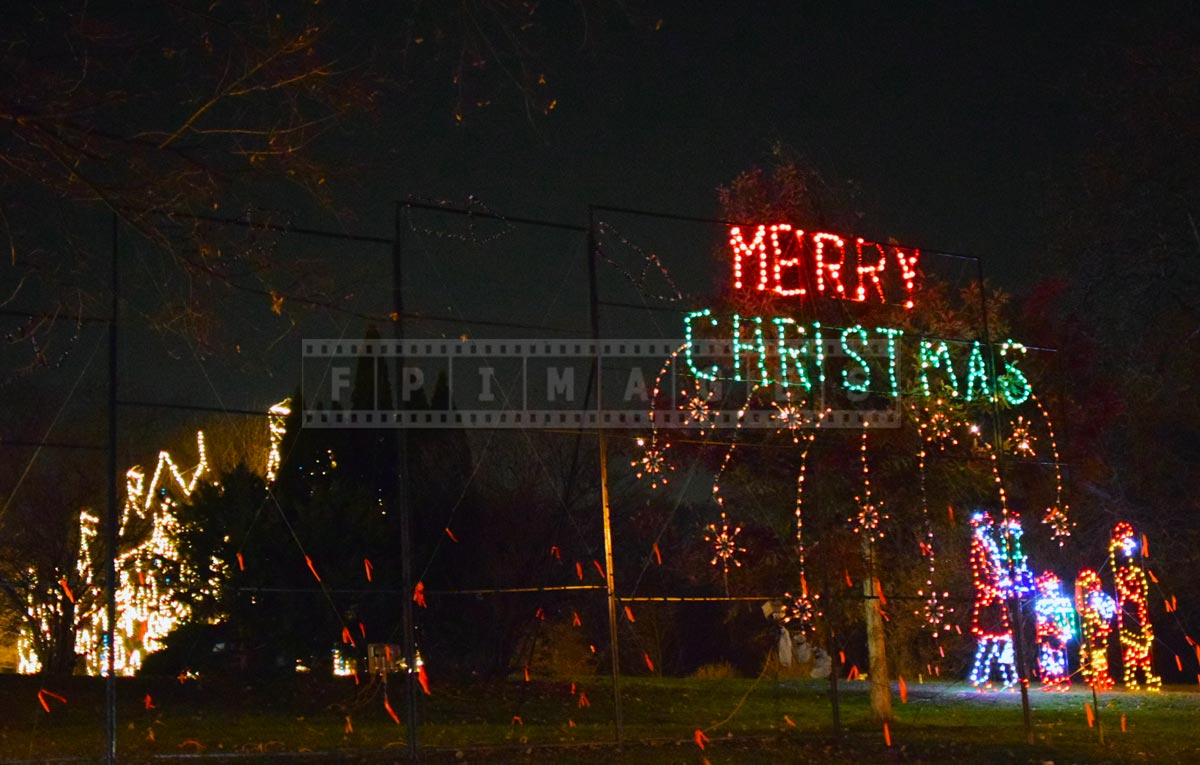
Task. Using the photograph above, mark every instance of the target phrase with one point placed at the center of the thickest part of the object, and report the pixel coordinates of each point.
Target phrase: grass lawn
(746, 721)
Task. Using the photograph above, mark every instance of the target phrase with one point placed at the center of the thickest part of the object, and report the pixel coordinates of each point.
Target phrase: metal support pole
(835, 666)
(111, 530)
(403, 509)
(612, 589)
(1015, 612)
(610, 582)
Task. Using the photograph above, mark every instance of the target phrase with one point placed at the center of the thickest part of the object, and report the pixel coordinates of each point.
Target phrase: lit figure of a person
(1133, 614)
(1096, 611)
(1055, 628)
(989, 618)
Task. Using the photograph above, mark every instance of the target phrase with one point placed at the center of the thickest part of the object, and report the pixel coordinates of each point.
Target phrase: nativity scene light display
(795, 367)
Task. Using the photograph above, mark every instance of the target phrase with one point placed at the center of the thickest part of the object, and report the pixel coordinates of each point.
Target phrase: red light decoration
(785, 260)
(1058, 516)
(1133, 613)
(724, 543)
(989, 618)
(935, 611)
(870, 516)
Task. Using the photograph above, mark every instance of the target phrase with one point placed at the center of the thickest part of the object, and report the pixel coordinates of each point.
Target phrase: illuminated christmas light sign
(790, 262)
(781, 351)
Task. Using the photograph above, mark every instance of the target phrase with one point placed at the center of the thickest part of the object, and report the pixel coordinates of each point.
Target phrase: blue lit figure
(989, 620)
(1055, 628)
(1016, 580)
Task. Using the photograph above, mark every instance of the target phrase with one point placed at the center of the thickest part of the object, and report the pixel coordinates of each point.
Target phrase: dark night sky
(956, 120)
(951, 119)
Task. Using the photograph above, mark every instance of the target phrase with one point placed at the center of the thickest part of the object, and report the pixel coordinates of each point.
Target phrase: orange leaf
(853, 673)
(349, 726)
(241, 562)
(1178, 663)
(419, 595)
(788, 720)
(1091, 715)
(879, 593)
(148, 702)
(951, 510)
(583, 700)
(423, 679)
(517, 720)
(450, 534)
(579, 570)
(599, 568)
(903, 690)
(1145, 547)
(887, 734)
(367, 568)
(575, 620)
(849, 581)
(362, 630)
(540, 614)
(570, 723)
(1123, 728)
(649, 663)
(700, 738)
(572, 689)
(527, 673)
(67, 590)
(388, 706)
(629, 614)
(312, 568)
(657, 554)
(554, 551)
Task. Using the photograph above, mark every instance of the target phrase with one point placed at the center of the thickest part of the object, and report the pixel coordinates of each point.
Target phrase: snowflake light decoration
(724, 543)
(697, 407)
(935, 611)
(1022, 441)
(653, 463)
(802, 609)
(791, 418)
(870, 514)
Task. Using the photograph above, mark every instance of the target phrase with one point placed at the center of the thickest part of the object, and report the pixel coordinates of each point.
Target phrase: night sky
(962, 125)
(953, 120)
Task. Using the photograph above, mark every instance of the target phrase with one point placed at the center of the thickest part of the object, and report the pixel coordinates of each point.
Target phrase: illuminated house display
(147, 609)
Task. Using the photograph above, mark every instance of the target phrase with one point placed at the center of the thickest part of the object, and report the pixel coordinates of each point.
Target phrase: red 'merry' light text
(791, 263)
